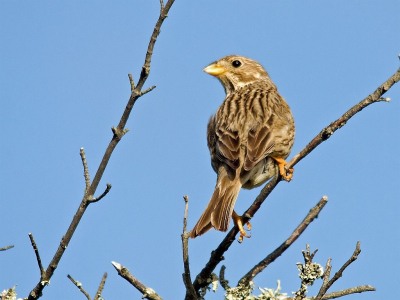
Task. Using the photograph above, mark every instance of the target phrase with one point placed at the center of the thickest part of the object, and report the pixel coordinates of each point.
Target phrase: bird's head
(237, 71)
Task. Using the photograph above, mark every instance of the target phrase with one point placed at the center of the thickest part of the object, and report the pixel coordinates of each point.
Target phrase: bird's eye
(236, 63)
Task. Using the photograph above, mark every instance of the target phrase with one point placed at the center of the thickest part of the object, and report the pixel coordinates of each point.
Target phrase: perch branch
(6, 248)
(148, 293)
(135, 94)
(79, 286)
(217, 255)
(191, 293)
(85, 170)
(327, 284)
(286, 244)
(101, 287)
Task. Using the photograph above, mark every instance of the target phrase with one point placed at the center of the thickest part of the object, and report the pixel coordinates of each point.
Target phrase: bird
(249, 138)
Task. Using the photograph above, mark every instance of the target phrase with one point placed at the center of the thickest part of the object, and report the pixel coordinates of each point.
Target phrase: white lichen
(308, 274)
(242, 292)
(9, 294)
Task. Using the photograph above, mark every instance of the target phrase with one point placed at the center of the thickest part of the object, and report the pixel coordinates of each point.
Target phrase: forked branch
(328, 283)
(119, 131)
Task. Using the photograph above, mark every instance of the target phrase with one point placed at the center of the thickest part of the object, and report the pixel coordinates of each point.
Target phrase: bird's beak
(214, 69)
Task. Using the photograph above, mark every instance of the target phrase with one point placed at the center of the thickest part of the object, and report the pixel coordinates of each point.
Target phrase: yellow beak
(214, 69)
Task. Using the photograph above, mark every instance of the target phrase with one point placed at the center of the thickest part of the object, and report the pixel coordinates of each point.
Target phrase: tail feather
(219, 210)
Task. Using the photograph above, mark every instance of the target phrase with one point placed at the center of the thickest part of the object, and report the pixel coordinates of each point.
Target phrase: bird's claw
(239, 222)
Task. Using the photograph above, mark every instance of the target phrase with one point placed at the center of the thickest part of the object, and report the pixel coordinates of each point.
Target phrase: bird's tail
(219, 210)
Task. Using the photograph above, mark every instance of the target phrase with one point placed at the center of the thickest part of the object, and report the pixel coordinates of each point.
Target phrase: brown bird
(251, 132)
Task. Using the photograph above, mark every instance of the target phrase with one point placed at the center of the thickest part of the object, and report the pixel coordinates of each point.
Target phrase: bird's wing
(228, 147)
(260, 139)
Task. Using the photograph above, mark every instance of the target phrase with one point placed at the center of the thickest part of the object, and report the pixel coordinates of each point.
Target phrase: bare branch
(162, 4)
(118, 133)
(217, 254)
(222, 280)
(79, 286)
(6, 248)
(108, 188)
(85, 170)
(101, 287)
(358, 289)
(190, 291)
(286, 244)
(146, 67)
(148, 90)
(148, 293)
(327, 284)
(39, 261)
(131, 82)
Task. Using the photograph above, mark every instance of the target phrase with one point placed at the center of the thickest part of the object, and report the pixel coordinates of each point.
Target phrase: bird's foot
(239, 222)
(286, 174)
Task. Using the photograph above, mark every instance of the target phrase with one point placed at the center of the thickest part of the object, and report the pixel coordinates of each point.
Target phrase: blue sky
(64, 84)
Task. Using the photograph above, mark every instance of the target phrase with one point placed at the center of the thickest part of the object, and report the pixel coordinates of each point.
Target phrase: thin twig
(108, 188)
(162, 4)
(131, 82)
(327, 284)
(148, 90)
(101, 287)
(79, 286)
(258, 268)
(85, 170)
(124, 273)
(39, 261)
(135, 94)
(222, 280)
(217, 255)
(6, 248)
(190, 291)
(337, 294)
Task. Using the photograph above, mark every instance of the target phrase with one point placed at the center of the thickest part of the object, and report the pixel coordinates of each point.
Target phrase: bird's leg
(238, 221)
(287, 175)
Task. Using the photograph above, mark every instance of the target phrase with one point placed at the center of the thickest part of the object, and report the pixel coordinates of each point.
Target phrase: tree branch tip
(385, 99)
(325, 198)
(6, 248)
(116, 265)
(186, 198)
(131, 82)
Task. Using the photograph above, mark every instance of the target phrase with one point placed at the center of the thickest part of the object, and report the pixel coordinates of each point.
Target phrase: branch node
(79, 286)
(148, 90)
(108, 188)
(118, 133)
(124, 273)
